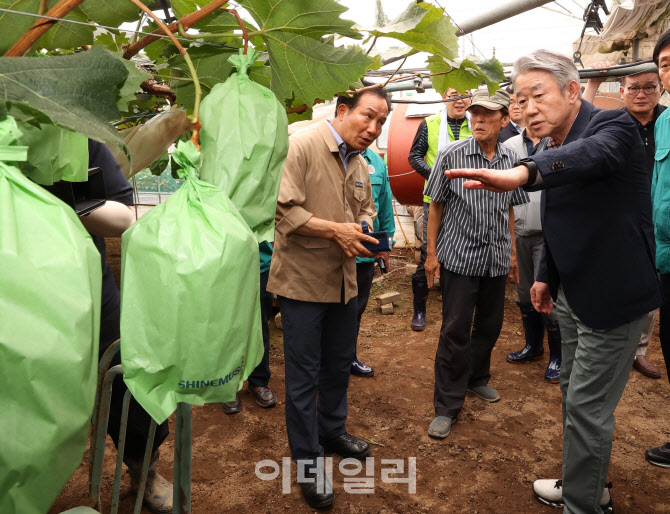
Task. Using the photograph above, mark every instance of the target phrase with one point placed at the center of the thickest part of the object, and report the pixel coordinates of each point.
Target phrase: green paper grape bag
(190, 308)
(50, 295)
(244, 140)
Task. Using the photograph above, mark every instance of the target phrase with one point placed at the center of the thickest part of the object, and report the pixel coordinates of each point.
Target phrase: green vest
(433, 124)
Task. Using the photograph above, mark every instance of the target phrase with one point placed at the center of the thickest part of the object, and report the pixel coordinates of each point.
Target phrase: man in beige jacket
(325, 195)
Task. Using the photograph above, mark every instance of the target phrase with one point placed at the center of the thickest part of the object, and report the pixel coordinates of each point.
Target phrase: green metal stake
(103, 366)
(145, 467)
(101, 433)
(123, 429)
(181, 495)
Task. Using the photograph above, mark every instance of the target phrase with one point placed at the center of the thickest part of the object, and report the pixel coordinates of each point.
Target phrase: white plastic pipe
(500, 13)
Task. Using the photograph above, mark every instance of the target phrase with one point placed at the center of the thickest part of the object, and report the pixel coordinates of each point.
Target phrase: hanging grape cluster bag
(53, 154)
(190, 286)
(50, 294)
(244, 140)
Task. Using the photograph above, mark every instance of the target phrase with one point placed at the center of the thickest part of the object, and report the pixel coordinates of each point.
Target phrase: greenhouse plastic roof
(630, 19)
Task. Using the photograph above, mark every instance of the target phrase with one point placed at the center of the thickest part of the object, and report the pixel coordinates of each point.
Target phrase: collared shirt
(647, 134)
(474, 238)
(314, 184)
(381, 196)
(531, 147)
(527, 217)
(342, 147)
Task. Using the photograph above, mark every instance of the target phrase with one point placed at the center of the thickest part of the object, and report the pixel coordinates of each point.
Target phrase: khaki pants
(647, 332)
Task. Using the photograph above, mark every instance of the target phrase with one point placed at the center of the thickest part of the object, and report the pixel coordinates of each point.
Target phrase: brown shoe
(264, 396)
(232, 407)
(645, 367)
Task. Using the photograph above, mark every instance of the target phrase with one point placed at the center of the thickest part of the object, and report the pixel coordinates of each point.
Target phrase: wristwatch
(532, 170)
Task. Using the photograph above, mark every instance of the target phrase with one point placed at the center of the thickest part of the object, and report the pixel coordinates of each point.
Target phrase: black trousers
(365, 272)
(472, 317)
(138, 419)
(319, 342)
(260, 377)
(664, 324)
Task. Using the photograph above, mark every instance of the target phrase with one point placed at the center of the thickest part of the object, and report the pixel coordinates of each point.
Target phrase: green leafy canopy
(81, 92)
(467, 75)
(423, 26)
(64, 35)
(304, 63)
(299, 60)
(211, 68)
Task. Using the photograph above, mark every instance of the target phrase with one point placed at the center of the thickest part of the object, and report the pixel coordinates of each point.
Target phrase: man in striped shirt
(471, 250)
(436, 131)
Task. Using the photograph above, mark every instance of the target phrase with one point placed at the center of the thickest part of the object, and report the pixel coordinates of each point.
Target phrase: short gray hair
(562, 68)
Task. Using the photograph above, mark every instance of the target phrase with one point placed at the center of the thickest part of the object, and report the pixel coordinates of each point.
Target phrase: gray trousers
(528, 254)
(595, 368)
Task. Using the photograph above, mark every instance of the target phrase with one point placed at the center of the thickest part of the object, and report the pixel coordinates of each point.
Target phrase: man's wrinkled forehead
(533, 81)
(372, 104)
(640, 78)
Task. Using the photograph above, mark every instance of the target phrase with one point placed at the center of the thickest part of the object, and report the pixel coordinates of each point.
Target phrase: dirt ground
(487, 464)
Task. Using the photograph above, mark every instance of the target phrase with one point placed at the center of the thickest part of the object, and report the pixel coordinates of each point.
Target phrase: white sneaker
(550, 492)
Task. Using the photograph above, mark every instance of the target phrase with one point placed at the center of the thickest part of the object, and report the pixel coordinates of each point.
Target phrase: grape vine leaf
(380, 18)
(69, 35)
(218, 21)
(111, 12)
(181, 8)
(422, 26)
(211, 68)
(222, 21)
(112, 41)
(163, 48)
(131, 85)
(160, 165)
(78, 92)
(15, 25)
(303, 63)
(63, 34)
(391, 54)
(493, 72)
(312, 69)
(260, 72)
(468, 75)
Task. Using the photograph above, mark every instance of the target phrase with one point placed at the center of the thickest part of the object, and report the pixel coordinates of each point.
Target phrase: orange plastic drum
(406, 184)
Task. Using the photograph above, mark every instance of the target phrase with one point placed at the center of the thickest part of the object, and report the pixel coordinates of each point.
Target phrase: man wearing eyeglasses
(640, 95)
(436, 131)
(516, 123)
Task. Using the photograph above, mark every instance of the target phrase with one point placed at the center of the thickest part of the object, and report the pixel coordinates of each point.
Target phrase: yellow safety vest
(433, 124)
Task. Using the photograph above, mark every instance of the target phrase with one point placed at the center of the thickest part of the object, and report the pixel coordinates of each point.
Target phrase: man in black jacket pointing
(598, 263)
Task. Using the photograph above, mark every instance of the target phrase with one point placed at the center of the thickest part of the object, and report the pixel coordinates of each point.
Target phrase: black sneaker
(659, 456)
